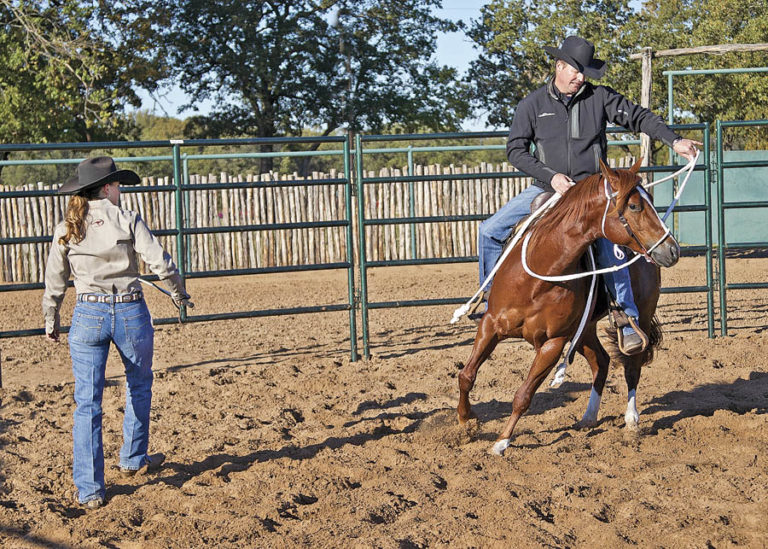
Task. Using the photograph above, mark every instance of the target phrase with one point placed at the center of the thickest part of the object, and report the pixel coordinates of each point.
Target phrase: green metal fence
(366, 305)
(711, 170)
(182, 231)
(724, 206)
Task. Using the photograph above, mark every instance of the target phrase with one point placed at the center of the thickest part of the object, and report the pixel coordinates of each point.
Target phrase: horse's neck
(564, 248)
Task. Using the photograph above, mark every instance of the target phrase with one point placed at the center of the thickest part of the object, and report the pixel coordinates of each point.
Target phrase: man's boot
(632, 340)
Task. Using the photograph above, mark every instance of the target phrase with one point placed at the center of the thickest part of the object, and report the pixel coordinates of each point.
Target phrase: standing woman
(98, 243)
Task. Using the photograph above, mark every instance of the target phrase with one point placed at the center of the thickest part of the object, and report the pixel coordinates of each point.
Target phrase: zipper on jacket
(568, 121)
(568, 109)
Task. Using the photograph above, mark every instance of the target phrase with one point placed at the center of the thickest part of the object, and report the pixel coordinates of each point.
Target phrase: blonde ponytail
(74, 219)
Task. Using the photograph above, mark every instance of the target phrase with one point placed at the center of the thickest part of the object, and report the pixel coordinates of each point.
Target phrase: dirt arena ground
(275, 439)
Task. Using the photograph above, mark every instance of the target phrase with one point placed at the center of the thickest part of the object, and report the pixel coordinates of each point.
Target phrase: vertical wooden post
(645, 101)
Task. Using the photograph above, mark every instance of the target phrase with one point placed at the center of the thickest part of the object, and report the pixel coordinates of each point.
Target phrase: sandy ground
(275, 439)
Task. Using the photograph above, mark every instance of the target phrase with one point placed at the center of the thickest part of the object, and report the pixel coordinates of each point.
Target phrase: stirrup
(620, 319)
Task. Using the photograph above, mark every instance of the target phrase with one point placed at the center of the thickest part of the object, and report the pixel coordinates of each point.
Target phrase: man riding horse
(566, 120)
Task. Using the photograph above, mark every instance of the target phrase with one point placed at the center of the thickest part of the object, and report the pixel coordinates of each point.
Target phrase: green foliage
(281, 67)
(511, 35)
(69, 71)
(691, 23)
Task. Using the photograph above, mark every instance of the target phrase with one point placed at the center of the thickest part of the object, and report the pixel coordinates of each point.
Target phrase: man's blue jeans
(495, 230)
(94, 326)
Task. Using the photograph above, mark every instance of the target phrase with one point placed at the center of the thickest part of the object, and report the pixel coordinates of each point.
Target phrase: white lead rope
(461, 311)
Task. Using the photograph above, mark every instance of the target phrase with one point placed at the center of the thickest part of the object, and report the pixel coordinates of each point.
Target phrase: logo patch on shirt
(542, 115)
(97, 222)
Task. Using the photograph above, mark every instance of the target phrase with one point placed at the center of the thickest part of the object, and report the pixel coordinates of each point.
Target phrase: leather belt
(110, 298)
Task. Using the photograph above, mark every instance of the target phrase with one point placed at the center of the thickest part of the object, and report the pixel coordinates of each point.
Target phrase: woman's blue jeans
(496, 229)
(94, 326)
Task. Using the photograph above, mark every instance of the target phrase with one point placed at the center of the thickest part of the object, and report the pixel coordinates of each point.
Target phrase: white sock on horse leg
(590, 415)
(559, 377)
(500, 446)
(631, 417)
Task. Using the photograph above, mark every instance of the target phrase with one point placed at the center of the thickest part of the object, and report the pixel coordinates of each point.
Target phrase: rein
(611, 199)
(464, 309)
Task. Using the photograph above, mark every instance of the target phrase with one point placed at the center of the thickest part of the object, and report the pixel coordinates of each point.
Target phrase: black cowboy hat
(579, 53)
(100, 170)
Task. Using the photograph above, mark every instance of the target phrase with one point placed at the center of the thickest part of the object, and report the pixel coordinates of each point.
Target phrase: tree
(689, 23)
(512, 63)
(70, 69)
(511, 36)
(281, 67)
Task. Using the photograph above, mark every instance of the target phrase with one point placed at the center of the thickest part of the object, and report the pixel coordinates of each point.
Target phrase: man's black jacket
(570, 139)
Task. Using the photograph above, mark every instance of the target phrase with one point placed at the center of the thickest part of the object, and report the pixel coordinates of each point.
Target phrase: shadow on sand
(741, 396)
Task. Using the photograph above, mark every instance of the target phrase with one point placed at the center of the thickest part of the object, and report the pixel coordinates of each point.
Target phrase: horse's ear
(635, 169)
(607, 172)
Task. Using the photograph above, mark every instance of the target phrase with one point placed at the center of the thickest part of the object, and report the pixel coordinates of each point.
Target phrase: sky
(453, 49)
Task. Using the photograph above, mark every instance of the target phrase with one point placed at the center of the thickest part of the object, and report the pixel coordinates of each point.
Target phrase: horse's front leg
(486, 340)
(546, 357)
(633, 366)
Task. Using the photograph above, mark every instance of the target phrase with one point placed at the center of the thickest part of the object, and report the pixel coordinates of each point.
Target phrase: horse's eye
(636, 207)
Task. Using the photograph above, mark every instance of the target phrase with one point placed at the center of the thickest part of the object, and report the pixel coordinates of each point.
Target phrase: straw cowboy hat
(93, 172)
(579, 53)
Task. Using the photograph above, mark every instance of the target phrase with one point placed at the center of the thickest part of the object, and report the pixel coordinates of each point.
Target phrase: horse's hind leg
(486, 340)
(546, 357)
(633, 366)
(599, 360)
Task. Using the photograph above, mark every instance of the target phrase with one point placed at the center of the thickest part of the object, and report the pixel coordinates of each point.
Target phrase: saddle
(537, 203)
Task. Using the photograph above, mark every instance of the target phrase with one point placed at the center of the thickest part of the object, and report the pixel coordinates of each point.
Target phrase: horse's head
(633, 221)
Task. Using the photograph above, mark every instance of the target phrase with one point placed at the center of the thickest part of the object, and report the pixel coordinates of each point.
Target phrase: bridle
(611, 201)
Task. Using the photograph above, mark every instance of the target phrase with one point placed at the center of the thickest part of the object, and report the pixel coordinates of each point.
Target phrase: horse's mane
(574, 205)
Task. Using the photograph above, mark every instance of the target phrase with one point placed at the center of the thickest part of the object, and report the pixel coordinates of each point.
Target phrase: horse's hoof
(559, 376)
(586, 423)
(500, 446)
(463, 420)
(631, 421)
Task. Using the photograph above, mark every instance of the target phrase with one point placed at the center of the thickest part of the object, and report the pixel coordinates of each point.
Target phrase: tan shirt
(105, 261)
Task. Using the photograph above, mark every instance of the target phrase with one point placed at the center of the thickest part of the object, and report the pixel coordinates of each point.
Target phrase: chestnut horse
(611, 204)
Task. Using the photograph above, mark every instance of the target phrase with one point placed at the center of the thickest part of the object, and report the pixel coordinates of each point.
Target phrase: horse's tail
(655, 337)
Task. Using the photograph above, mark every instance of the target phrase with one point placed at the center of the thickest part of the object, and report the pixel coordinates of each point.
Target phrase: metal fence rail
(723, 206)
(371, 216)
(181, 188)
(364, 223)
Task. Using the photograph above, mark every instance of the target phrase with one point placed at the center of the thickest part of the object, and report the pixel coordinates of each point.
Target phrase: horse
(610, 204)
